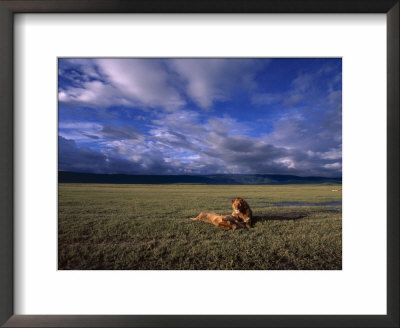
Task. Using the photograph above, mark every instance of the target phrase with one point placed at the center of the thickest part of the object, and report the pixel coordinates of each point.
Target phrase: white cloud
(208, 81)
(203, 79)
(334, 153)
(336, 165)
(149, 83)
(94, 94)
(142, 80)
(126, 82)
(80, 131)
(288, 162)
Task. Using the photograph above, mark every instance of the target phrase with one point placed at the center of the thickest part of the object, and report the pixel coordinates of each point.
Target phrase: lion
(225, 222)
(242, 211)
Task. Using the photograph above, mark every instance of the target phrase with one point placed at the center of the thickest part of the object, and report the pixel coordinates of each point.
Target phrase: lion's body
(242, 211)
(225, 222)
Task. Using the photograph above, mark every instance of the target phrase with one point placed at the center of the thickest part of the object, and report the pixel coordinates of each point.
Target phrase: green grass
(129, 227)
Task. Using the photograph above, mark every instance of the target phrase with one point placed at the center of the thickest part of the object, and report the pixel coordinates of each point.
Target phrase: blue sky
(201, 116)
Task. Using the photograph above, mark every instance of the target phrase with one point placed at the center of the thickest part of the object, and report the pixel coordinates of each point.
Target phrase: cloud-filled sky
(201, 116)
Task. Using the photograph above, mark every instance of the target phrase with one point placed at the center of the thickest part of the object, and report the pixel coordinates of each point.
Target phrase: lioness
(242, 211)
(225, 222)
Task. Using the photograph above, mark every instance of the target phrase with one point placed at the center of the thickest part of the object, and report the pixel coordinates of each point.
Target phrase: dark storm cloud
(119, 132)
(91, 136)
(84, 159)
(293, 149)
(72, 158)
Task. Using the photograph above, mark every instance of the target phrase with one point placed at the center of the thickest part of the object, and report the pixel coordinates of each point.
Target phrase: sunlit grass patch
(148, 227)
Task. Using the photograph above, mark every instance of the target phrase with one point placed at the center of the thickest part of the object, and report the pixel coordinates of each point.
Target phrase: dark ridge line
(214, 179)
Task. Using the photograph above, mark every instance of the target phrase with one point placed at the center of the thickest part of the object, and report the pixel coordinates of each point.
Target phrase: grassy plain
(129, 227)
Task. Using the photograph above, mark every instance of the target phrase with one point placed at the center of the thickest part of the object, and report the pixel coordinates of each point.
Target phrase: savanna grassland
(130, 227)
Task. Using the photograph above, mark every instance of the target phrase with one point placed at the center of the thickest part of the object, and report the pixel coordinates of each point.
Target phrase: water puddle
(283, 204)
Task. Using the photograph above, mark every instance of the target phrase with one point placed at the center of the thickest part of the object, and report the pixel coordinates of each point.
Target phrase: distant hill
(217, 179)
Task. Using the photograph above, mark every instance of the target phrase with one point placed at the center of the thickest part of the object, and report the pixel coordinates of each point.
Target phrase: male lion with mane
(225, 222)
(242, 211)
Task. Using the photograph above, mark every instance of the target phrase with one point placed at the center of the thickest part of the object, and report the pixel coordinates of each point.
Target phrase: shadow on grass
(279, 217)
(296, 215)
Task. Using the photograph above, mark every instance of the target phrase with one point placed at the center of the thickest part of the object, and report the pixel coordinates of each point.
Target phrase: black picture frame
(10, 7)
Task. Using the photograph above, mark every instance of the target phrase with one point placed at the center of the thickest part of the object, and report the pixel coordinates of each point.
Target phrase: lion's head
(242, 210)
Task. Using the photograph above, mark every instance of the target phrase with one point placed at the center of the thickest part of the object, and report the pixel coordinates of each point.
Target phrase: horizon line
(208, 174)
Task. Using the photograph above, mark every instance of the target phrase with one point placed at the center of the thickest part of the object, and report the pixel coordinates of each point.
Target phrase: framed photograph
(166, 141)
(176, 164)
